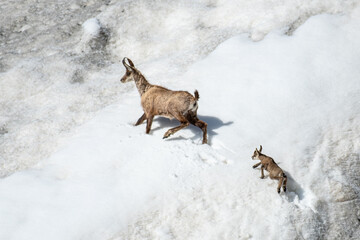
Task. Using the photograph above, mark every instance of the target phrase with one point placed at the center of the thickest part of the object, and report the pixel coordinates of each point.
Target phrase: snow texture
(283, 74)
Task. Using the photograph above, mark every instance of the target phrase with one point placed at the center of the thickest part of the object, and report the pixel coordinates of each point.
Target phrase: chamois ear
(260, 148)
(256, 150)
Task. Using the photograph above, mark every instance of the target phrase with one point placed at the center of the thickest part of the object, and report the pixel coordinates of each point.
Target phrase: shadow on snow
(213, 124)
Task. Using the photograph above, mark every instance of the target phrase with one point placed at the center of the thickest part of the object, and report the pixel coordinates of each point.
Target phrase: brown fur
(267, 163)
(157, 100)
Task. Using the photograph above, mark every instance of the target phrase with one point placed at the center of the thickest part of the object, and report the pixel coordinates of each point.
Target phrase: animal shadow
(212, 122)
(293, 186)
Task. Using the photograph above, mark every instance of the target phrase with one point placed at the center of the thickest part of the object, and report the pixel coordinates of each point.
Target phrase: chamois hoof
(167, 134)
(262, 177)
(278, 190)
(204, 142)
(284, 189)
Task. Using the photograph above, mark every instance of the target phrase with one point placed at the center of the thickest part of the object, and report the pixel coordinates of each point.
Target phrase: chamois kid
(267, 163)
(157, 100)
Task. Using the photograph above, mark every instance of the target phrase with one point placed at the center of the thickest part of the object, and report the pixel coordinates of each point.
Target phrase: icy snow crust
(296, 95)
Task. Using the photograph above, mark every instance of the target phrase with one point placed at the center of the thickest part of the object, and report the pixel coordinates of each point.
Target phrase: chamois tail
(196, 94)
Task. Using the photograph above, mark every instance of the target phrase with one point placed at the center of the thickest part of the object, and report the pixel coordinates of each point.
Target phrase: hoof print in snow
(212, 158)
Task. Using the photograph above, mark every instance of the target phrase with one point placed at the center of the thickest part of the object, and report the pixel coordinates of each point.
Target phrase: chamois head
(130, 71)
(257, 153)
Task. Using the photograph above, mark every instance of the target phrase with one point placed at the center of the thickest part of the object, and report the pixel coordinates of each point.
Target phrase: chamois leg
(280, 184)
(183, 123)
(148, 125)
(281, 179)
(262, 172)
(141, 120)
(191, 117)
(284, 182)
(203, 126)
(256, 165)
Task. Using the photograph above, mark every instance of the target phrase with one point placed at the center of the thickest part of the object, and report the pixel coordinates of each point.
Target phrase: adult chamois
(157, 100)
(267, 163)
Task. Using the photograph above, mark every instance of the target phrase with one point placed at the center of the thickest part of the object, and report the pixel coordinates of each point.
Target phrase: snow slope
(57, 58)
(296, 95)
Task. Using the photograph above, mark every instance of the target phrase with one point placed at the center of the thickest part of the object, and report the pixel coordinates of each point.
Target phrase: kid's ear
(260, 148)
(256, 150)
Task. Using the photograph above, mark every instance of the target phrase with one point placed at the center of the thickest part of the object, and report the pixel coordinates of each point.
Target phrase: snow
(90, 174)
(92, 27)
(55, 77)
